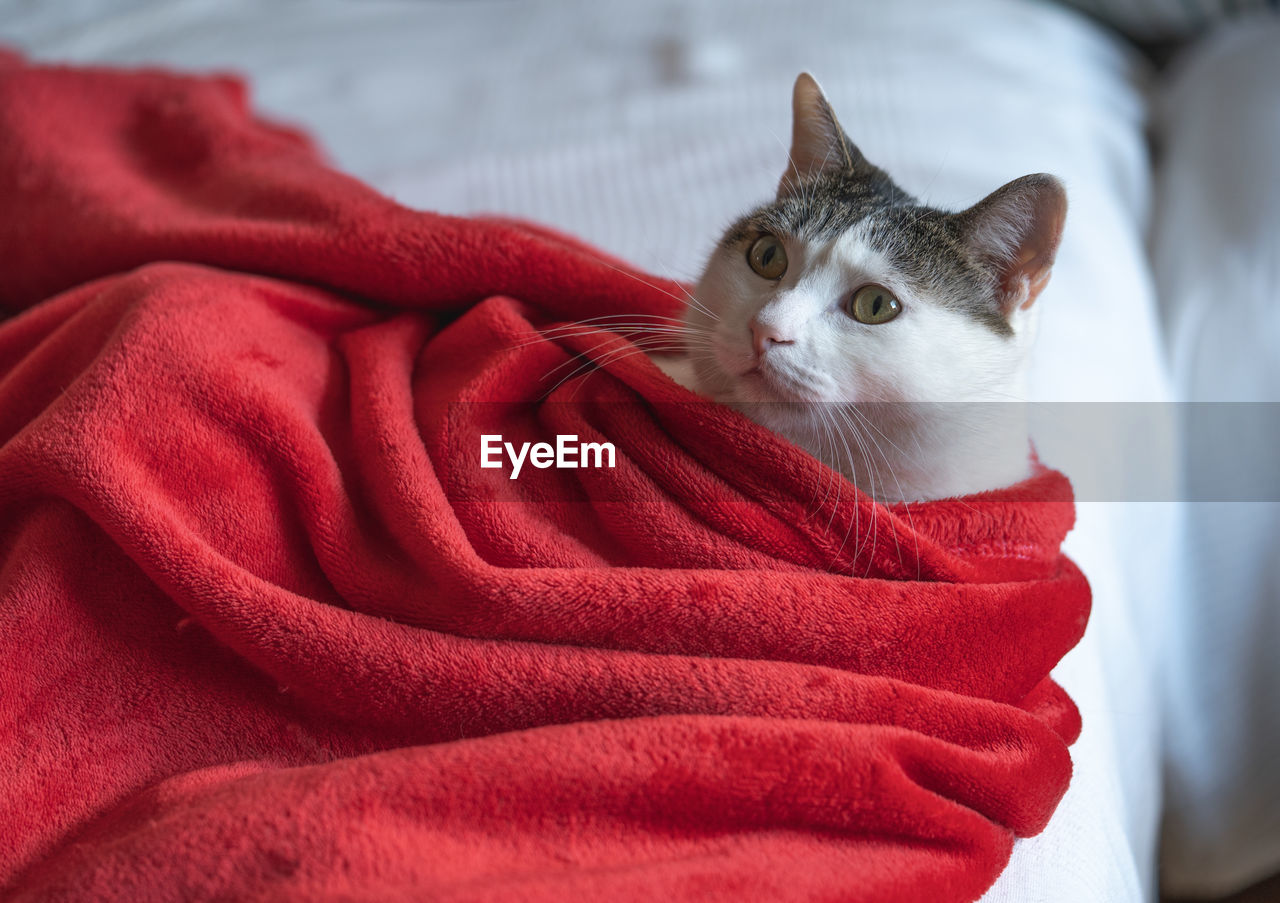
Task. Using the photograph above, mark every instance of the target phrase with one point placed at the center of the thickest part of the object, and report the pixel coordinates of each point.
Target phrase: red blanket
(269, 630)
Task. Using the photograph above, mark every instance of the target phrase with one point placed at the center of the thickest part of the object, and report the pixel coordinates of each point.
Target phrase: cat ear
(818, 144)
(1015, 231)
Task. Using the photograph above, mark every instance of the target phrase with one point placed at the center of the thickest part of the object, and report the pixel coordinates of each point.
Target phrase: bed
(645, 127)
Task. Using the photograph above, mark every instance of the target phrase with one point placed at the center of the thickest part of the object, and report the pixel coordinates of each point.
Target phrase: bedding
(272, 629)
(648, 126)
(1216, 246)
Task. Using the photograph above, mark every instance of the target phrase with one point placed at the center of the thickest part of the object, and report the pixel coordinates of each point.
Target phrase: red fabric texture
(269, 631)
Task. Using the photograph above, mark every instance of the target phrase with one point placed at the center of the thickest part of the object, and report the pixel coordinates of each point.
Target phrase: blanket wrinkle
(269, 630)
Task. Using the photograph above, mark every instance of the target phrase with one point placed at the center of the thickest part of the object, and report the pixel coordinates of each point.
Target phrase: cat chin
(794, 420)
(758, 387)
(755, 387)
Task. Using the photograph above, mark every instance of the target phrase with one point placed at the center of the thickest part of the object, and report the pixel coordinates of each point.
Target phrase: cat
(881, 335)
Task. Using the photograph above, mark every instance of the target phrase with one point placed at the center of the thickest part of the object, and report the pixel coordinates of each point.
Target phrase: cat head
(845, 288)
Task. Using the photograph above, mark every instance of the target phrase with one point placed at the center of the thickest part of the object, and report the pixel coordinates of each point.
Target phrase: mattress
(645, 128)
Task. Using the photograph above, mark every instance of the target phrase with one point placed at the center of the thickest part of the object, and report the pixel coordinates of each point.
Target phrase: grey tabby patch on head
(880, 334)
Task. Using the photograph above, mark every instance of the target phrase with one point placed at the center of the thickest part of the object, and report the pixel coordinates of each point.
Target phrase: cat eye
(767, 257)
(872, 304)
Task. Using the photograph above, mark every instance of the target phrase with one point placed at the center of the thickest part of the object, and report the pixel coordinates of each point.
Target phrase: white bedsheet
(645, 127)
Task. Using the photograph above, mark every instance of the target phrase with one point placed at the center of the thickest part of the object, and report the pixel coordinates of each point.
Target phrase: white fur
(915, 408)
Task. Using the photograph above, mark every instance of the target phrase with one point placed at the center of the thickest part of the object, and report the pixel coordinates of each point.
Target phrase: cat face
(845, 289)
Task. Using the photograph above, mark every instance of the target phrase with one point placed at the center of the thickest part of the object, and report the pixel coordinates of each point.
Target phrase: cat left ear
(1015, 231)
(818, 143)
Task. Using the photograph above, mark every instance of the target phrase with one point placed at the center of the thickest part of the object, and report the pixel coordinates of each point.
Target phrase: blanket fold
(271, 630)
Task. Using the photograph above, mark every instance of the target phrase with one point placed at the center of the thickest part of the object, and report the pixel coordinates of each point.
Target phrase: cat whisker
(868, 428)
(632, 315)
(857, 505)
(676, 336)
(586, 327)
(586, 362)
(645, 282)
(867, 538)
(852, 469)
(620, 330)
(611, 358)
(693, 302)
(852, 432)
(889, 465)
(645, 343)
(829, 475)
(823, 455)
(865, 419)
(848, 457)
(817, 486)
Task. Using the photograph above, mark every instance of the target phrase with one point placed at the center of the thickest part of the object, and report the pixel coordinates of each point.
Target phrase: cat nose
(765, 334)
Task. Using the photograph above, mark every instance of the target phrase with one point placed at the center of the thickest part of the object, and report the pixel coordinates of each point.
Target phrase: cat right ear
(1015, 232)
(818, 143)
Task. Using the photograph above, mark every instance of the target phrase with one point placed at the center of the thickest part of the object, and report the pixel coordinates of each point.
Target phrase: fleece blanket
(270, 630)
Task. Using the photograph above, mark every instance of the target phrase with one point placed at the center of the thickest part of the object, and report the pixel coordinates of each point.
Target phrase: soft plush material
(269, 630)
